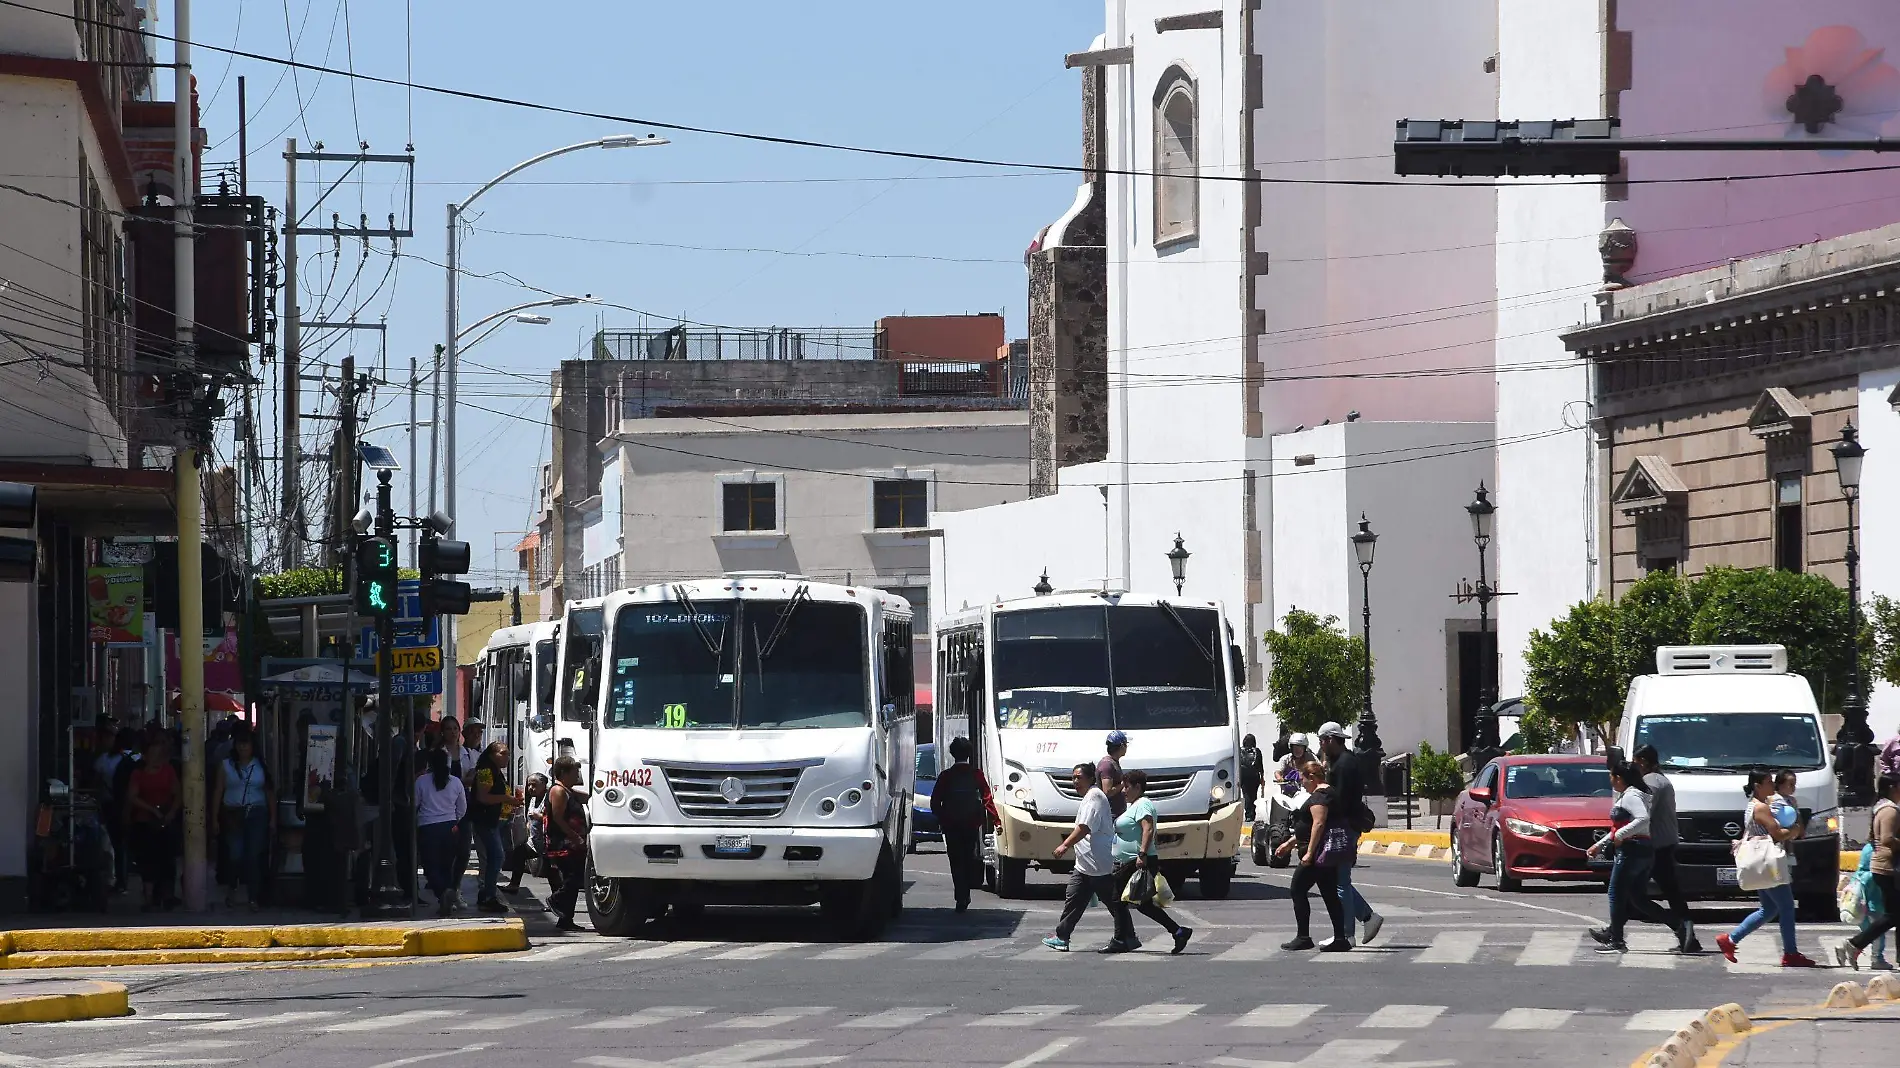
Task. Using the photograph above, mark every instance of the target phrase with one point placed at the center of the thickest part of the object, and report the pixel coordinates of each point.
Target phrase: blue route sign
(411, 633)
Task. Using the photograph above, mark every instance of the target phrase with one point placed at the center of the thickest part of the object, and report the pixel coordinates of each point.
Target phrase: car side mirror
(1481, 794)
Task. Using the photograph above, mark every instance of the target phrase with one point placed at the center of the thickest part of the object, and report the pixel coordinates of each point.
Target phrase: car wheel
(1506, 881)
(1460, 875)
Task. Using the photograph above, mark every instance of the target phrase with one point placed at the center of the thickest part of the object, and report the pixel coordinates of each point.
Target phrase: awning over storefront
(99, 502)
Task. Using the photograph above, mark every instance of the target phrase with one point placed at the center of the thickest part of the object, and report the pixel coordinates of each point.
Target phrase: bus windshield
(582, 638)
(1733, 741)
(766, 664)
(1133, 667)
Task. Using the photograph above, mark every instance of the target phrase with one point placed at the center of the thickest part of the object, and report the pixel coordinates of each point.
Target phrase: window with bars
(750, 506)
(900, 502)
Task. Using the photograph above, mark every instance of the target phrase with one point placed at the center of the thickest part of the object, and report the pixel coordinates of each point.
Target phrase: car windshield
(926, 763)
(1090, 667)
(1733, 741)
(1524, 781)
(795, 663)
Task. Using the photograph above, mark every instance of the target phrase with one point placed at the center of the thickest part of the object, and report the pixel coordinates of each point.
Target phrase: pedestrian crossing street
(1527, 946)
(802, 1019)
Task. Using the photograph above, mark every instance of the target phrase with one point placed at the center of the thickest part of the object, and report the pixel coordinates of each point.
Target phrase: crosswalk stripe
(1255, 947)
(1533, 1020)
(1452, 947)
(857, 952)
(1161, 1012)
(963, 950)
(393, 1020)
(663, 950)
(1662, 1019)
(759, 950)
(893, 1019)
(1654, 961)
(563, 951)
(1278, 1016)
(657, 1014)
(1550, 949)
(276, 1020)
(1022, 1015)
(508, 1020)
(140, 1019)
(1395, 1016)
(759, 1021)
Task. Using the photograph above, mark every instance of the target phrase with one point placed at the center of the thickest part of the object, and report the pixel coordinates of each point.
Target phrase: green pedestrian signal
(376, 577)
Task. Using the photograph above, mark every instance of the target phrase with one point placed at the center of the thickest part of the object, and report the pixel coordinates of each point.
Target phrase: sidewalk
(1862, 1037)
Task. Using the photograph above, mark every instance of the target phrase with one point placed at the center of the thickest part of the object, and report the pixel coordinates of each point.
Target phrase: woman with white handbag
(1761, 864)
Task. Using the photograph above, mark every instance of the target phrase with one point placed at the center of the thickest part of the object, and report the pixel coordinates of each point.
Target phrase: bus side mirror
(541, 723)
(1238, 660)
(522, 682)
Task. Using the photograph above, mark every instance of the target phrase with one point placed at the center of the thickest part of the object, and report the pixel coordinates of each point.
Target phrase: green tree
(1539, 733)
(1436, 774)
(1571, 679)
(1884, 620)
(1653, 613)
(1316, 673)
(1804, 612)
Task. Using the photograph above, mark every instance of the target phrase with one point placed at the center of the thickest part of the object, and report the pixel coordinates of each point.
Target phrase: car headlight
(1823, 824)
(1526, 828)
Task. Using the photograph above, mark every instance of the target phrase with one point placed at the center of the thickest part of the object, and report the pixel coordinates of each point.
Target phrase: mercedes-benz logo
(1733, 830)
(733, 791)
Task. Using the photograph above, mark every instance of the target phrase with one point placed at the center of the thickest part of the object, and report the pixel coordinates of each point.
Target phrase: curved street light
(452, 336)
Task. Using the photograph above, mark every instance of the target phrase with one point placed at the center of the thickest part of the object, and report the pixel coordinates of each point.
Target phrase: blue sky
(979, 78)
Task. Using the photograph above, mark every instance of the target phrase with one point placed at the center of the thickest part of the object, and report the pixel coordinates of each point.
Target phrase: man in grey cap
(1349, 795)
(1108, 771)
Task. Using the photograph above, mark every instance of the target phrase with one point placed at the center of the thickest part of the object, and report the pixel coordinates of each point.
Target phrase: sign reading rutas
(410, 661)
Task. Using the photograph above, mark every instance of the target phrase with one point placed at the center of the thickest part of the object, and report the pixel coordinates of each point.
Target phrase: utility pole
(288, 445)
(191, 623)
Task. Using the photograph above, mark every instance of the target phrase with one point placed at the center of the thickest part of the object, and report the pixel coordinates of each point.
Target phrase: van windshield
(1733, 741)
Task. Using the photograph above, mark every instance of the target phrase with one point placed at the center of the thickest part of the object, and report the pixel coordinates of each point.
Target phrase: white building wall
(1880, 521)
(1551, 64)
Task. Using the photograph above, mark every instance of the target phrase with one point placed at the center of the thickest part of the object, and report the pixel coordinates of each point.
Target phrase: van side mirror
(1238, 668)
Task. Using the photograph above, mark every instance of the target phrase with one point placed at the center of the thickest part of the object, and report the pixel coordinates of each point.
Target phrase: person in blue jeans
(491, 803)
(1349, 794)
(1635, 855)
(244, 819)
(1777, 901)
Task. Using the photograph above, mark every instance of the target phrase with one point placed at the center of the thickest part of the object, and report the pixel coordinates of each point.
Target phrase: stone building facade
(1718, 397)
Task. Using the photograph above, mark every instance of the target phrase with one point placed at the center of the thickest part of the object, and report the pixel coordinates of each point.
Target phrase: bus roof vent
(758, 575)
(1722, 660)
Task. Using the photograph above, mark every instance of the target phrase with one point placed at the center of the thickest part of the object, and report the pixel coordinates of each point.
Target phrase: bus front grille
(1162, 785)
(761, 793)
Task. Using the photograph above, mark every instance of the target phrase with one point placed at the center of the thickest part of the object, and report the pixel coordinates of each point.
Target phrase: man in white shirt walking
(1094, 874)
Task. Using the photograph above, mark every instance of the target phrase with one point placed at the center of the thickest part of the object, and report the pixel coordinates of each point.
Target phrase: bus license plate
(1727, 877)
(732, 844)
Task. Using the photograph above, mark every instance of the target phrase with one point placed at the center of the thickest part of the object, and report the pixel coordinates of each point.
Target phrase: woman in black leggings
(1318, 866)
(1886, 840)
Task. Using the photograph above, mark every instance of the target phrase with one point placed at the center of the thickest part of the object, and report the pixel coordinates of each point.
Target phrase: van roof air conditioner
(1722, 660)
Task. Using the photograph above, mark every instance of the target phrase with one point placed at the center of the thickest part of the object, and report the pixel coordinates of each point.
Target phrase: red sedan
(1531, 817)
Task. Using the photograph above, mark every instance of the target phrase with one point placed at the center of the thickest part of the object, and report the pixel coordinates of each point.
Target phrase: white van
(1714, 713)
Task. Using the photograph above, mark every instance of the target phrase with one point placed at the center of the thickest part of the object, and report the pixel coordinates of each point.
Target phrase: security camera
(363, 520)
(441, 522)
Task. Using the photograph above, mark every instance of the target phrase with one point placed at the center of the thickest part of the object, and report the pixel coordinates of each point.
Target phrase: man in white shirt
(1094, 874)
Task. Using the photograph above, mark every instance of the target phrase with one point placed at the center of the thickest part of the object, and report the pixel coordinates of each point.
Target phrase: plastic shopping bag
(1853, 899)
(1164, 894)
(1140, 889)
(1760, 863)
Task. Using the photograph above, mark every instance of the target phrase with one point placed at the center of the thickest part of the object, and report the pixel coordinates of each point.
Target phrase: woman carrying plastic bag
(1137, 879)
(1761, 864)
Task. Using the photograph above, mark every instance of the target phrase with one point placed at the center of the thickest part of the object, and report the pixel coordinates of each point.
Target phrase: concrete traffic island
(1789, 1038)
(96, 947)
(60, 1001)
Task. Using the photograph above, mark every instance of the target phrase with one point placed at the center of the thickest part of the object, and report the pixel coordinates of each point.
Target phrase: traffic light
(438, 557)
(376, 577)
(1463, 148)
(19, 557)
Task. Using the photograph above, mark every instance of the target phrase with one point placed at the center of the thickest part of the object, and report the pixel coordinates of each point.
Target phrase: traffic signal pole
(386, 891)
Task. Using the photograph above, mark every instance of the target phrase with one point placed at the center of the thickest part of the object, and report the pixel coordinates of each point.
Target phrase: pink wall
(1724, 68)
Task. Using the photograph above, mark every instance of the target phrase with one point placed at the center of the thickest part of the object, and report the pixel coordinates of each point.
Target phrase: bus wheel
(617, 906)
(1217, 880)
(1012, 876)
(858, 910)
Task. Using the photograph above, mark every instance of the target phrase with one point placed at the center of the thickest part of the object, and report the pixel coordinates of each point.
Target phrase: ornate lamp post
(1177, 562)
(1483, 513)
(1363, 545)
(1853, 744)
(1042, 587)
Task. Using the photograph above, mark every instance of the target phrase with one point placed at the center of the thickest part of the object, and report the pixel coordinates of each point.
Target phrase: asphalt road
(1457, 977)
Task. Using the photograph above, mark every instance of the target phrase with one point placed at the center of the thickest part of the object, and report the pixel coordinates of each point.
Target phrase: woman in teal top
(1135, 850)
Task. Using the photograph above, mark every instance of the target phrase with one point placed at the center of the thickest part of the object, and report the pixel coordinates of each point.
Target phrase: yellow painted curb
(250, 945)
(1440, 839)
(97, 1001)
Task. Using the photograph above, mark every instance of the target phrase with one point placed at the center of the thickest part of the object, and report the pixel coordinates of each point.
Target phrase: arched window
(1176, 159)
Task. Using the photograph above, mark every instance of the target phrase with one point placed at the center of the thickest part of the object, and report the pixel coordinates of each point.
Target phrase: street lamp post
(1042, 587)
(452, 335)
(1364, 543)
(1483, 513)
(1177, 562)
(1853, 744)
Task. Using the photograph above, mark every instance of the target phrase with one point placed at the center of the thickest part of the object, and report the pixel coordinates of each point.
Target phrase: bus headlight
(613, 796)
(1218, 793)
(638, 806)
(852, 797)
(827, 807)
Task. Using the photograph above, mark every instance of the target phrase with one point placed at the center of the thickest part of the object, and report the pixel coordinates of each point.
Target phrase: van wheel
(1460, 875)
(1506, 881)
(1012, 876)
(1217, 880)
(1817, 908)
(618, 907)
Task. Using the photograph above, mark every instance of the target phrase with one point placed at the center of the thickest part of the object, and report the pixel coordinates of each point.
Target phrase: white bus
(1037, 684)
(514, 681)
(753, 743)
(579, 643)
